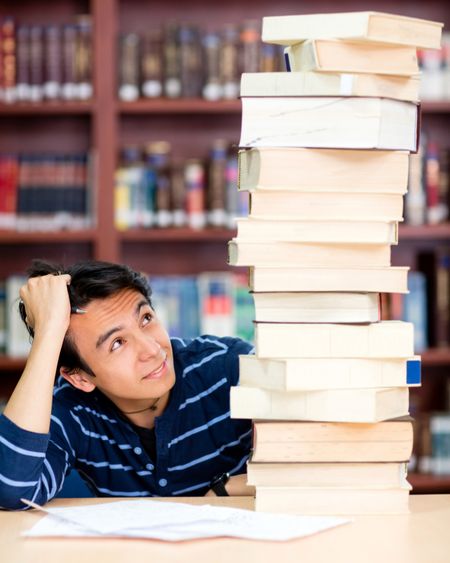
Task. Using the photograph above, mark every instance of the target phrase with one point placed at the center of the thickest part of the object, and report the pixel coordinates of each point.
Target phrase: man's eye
(147, 318)
(116, 344)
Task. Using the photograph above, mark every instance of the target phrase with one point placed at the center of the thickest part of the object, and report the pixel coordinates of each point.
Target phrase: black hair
(89, 280)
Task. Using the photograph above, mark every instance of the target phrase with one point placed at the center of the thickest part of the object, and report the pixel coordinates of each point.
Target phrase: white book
(329, 122)
(328, 405)
(386, 339)
(301, 374)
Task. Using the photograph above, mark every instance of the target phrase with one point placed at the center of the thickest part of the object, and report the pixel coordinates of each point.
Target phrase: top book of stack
(357, 26)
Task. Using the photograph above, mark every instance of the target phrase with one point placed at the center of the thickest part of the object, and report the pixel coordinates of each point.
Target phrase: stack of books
(324, 155)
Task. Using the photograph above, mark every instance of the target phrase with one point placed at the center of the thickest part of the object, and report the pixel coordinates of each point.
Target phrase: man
(136, 413)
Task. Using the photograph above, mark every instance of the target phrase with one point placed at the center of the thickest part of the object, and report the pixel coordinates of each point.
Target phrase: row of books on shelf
(45, 62)
(155, 189)
(215, 303)
(428, 197)
(45, 192)
(184, 60)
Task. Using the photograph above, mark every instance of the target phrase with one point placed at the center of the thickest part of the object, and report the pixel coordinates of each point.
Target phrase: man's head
(118, 345)
(89, 280)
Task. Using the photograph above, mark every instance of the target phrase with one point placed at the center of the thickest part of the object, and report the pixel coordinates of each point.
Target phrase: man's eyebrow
(104, 337)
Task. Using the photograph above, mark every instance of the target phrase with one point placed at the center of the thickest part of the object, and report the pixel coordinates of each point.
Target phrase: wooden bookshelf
(423, 483)
(53, 237)
(177, 235)
(47, 108)
(424, 232)
(185, 105)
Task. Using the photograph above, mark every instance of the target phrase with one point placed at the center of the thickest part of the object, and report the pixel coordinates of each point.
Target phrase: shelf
(50, 237)
(429, 484)
(420, 232)
(182, 105)
(46, 108)
(436, 106)
(182, 234)
(11, 364)
(436, 357)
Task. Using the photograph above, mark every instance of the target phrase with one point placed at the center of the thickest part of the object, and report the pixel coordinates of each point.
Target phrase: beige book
(301, 374)
(327, 500)
(332, 405)
(330, 84)
(333, 475)
(329, 122)
(348, 56)
(386, 339)
(317, 307)
(323, 170)
(302, 230)
(286, 254)
(369, 25)
(381, 280)
(331, 442)
(326, 206)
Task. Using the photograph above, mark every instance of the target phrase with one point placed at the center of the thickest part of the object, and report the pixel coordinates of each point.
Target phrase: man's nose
(148, 347)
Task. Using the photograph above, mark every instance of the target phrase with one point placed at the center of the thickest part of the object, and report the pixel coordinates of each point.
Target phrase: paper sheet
(175, 522)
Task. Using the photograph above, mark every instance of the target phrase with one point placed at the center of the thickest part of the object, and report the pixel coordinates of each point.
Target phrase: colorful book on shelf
(326, 55)
(330, 84)
(326, 206)
(380, 475)
(381, 280)
(331, 442)
(317, 307)
(295, 374)
(329, 500)
(385, 339)
(287, 254)
(332, 405)
(329, 122)
(375, 232)
(371, 26)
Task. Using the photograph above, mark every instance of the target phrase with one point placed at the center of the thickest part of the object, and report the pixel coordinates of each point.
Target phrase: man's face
(126, 347)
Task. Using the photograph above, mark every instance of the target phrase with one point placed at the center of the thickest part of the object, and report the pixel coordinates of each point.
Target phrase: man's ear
(78, 378)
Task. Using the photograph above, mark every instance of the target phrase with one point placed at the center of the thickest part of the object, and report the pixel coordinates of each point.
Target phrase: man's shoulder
(206, 344)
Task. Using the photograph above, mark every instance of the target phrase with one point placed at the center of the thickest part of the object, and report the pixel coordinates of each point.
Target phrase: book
(329, 122)
(331, 405)
(329, 500)
(216, 303)
(349, 56)
(295, 374)
(288, 254)
(369, 25)
(317, 307)
(332, 442)
(326, 206)
(323, 170)
(335, 475)
(388, 280)
(330, 84)
(385, 339)
(377, 232)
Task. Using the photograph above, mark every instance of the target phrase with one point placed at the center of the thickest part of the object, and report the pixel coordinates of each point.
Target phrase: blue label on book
(413, 372)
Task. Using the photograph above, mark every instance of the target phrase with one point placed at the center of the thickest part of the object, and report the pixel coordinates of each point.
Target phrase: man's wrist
(217, 484)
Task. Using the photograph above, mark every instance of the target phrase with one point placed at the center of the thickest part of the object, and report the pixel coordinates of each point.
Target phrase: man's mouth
(157, 372)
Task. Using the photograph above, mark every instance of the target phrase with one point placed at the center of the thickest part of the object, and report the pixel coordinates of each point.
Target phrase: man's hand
(236, 487)
(47, 303)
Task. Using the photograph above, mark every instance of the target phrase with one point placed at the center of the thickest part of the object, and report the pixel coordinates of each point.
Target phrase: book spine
(216, 191)
(151, 64)
(83, 57)
(212, 87)
(23, 63)
(8, 46)
(36, 63)
(229, 62)
(172, 63)
(178, 195)
(191, 73)
(129, 67)
(69, 89)
(250, 46)
(52, 62)
(194, 177)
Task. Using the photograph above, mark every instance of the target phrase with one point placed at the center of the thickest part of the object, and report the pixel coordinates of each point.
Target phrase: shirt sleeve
(32, 465)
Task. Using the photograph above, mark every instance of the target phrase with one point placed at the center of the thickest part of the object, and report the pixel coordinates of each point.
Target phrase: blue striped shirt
(195, 437)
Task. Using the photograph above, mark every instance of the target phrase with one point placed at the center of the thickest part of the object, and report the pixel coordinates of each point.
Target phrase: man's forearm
(31, 402)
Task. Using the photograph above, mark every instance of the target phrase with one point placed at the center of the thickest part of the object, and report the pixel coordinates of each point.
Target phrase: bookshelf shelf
(47, 108)
(436, 357)
(54, 237)
(11, 364)
(420, 232)
(424, 483)
(185, 105)
(436, 106)
(177, 235)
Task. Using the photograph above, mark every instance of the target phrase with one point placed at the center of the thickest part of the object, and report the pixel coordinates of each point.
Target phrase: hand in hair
(46, 303)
